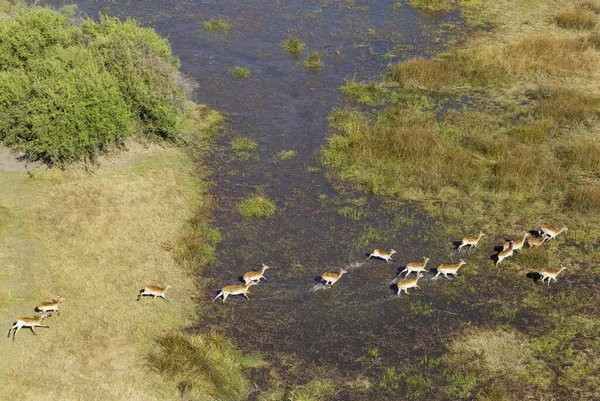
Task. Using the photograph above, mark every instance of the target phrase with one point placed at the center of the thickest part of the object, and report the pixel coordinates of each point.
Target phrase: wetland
(442, 91)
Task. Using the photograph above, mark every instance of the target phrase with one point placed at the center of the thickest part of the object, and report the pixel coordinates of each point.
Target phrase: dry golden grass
(575, 19)
(96, 239)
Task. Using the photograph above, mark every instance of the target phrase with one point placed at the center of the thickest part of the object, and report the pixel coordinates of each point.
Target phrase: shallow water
(284, 106)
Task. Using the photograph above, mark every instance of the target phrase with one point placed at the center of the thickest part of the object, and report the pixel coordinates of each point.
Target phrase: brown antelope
(507, 253)
(446, 269)
(255, 275)
(518, 244)
(331, 278)
(235, 290)
(378, 253)
(550, 273)
(414, 267)
(550, 231)
(470, 241)
(533, 241)
(30, 322)
(408, 283)
(49, 307)
(154, 291)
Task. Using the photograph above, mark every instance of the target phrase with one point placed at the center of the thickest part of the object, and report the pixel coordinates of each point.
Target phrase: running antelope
(414, 267)
(550, 273)
(518, 244)
(470, 241)
(408, 283)
(255, 275)
(507, 253)
(30, 322)
(331, 278)
(378, 253)
(154, 291)
(533, 241)
(235, 290)
(446, 269)
(50, 307)
(550, 231)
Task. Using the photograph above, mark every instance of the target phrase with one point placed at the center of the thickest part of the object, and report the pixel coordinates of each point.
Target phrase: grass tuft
(585, 198)
(240, 72)
(257, 206)
(575, 19)
(433, 5)
(491, 353)
(293, 46)
(313, 61)
(216, 24)
(369, 94)
(286, 155)
(203, 366)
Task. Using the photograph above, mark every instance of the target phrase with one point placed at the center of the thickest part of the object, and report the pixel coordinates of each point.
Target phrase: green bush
(69, 91)
(65, 107)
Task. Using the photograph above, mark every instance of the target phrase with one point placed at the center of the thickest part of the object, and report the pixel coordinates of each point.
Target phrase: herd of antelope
(400, 283)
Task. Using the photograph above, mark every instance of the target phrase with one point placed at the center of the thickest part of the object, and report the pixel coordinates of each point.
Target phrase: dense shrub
(66, 106)
(69, 91)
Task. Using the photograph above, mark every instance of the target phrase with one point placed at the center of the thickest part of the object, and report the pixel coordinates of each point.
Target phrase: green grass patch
(293, 46)
(433, 5)
(243, 144)
(216, 25)
(369, 94)
(240, 72)
(313, 61)
(257, 206)
(314, 390)
(490, 353)
(285, 155)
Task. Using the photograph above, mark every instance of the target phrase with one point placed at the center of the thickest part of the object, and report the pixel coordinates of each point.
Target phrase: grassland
(500, 135)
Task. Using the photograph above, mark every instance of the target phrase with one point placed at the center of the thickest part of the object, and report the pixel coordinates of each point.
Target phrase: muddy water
(284, 106)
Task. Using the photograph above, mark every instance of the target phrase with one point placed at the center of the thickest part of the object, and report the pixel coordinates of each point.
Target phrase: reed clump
(575, 19)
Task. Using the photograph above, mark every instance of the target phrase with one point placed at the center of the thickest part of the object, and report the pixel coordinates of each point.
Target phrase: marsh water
(302, 330)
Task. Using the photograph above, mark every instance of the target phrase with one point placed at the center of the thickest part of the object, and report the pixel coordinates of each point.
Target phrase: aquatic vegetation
(293, 46)
(369, 94)
(433, 5)
(243, 144)
(257, 206)
(240, 72)
(216, 25)
(285, 155)
(313, 61)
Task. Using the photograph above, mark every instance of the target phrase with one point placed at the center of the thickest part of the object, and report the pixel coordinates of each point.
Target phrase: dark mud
(283, 106)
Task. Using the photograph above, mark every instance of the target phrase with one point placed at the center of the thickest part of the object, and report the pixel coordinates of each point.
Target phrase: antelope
(518, 244)
(154, 291)
(446, 269)
(48, 307)
(378, 253)
(507, 253)
(550, 231)
(414, 267)
(470, 241)
(533, 241)
(30, 322)
(550, 273)
(235, 290)
(408, 283)
(255, 275)
(331, 278)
